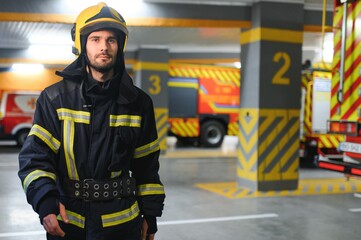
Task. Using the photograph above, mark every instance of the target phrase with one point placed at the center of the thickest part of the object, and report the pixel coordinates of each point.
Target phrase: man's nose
(104, 45)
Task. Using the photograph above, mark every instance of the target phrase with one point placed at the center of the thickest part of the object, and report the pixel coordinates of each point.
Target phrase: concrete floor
(193, 212)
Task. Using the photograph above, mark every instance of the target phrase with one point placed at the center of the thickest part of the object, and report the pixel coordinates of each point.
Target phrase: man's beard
(102, 68)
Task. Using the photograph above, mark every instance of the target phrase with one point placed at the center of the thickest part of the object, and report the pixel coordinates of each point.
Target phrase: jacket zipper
(92, 115)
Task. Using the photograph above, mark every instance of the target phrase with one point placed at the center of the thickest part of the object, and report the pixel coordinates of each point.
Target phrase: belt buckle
(86, 187)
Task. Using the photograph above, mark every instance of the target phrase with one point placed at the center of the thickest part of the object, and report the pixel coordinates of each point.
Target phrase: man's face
(101, 50)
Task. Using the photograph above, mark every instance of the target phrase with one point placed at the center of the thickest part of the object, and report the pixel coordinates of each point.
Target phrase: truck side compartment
(16, 114)
(345, 107)
(203, 103)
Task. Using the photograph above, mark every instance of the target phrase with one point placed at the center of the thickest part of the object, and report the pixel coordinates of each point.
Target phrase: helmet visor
(96, 26)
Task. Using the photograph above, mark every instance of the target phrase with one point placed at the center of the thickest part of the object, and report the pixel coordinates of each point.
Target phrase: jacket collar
(76, 72)
(73, 71)
(127, 91)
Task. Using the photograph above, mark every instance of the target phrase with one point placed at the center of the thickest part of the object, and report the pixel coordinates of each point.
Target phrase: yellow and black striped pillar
(271, 57)
(151, 75)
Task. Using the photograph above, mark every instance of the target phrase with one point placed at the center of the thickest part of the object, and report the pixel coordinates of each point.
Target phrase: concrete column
(151, 75)
(271, 57)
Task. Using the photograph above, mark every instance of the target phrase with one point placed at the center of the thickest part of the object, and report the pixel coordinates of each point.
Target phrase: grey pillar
(151, 75)
(271, 57)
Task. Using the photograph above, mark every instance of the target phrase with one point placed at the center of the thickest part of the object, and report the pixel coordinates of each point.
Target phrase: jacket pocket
(122, 150)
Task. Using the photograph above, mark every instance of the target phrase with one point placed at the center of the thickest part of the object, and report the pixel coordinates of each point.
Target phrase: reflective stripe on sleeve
(146, 149)
(45, 136)
(125, 120)
(74, 116)
(150, 189)
(74, 218)
(120, 217)
(35, 175)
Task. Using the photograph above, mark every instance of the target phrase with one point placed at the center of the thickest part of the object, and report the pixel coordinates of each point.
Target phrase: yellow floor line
(305, 187)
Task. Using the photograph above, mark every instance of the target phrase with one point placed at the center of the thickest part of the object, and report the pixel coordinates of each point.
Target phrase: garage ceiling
(309, 4)
(20, 35)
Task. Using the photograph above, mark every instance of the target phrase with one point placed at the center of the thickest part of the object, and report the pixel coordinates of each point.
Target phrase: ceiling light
(50, 39)
(27, 68)
(237, 64)
(122, 6)
(50, 52)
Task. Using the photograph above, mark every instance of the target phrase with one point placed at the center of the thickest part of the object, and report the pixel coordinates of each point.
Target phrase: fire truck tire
(212, 134)
(21, 136)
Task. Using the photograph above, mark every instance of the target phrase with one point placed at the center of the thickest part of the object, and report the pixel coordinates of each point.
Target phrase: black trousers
(130, 236)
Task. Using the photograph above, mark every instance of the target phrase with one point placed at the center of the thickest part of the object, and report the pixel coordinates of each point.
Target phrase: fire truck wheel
(21, 136)
(212, 134)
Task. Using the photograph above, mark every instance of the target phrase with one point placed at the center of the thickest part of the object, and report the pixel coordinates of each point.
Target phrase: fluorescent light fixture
(51, 39)
(122, 6)
(50, 52)
(327, 51)
(27, 68)
(237, 64)
(327, 55)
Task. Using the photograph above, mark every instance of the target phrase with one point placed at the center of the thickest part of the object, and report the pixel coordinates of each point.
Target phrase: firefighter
(89, 166)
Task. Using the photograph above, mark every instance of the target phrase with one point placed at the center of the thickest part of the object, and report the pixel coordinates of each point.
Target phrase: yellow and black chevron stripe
(269, 144)
(305, 187)
(182, 127)
(161, 118)
(306, 78)
(225, 75)
(232, 129)
(307, 114)
(330, 140)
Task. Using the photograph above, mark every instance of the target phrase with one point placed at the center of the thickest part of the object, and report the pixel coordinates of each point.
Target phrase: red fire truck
(345, 107)
(315, 142)
(16, 114)
(203, 103)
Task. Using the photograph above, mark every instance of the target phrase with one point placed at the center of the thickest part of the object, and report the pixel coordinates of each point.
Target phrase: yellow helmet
(95, 18)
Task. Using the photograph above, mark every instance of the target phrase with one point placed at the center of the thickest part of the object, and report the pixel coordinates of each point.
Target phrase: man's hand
(51, 224)
(144, 235)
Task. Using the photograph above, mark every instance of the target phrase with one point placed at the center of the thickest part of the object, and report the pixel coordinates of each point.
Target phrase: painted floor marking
(166, 223)
(18, 234)
(357, 195)
(355, 209)
(305, 187)
(219, 219)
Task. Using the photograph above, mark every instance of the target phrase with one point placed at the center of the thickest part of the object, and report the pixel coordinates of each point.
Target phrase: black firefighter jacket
(84, 131)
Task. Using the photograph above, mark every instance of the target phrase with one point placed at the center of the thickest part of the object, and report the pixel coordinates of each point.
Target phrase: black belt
(99, 190)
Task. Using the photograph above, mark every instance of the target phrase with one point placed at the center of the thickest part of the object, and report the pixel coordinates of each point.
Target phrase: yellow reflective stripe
(35, 175)
(74, 218)
(125, 120)
(68, 133)
(146, 149)
(72, 115)
(120, 217)
(46, 137)
(150, 189)
(115, 174)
